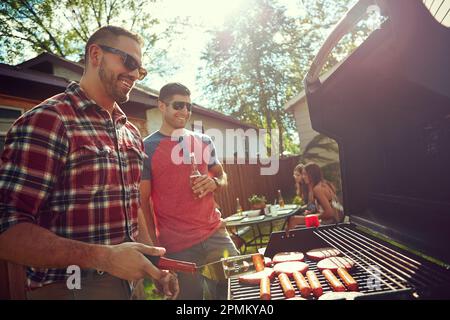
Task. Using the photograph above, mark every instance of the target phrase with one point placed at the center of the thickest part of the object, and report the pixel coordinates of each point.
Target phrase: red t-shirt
(181, 220)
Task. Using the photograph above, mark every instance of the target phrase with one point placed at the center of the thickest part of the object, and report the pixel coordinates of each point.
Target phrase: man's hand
(203, 185)
(127, 261)
(168, 285)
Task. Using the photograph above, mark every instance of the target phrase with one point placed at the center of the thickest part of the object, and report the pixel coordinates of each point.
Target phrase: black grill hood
(388, 108)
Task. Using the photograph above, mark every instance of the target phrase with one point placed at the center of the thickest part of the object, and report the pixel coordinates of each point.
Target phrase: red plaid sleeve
(36, 149)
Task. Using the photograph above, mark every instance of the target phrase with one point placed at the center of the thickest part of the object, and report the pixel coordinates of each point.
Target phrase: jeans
(195, 286)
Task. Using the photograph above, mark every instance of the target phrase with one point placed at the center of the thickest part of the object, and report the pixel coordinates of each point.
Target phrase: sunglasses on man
(128, 61)
(179, 105)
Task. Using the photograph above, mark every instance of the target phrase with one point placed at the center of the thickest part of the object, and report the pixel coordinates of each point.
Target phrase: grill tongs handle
(351, 18)
(171, 264)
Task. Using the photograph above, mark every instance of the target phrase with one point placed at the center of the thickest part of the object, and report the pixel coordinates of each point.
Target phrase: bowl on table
(252, 213)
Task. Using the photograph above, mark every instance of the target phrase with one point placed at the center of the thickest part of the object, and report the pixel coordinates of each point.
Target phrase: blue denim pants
(195, 286)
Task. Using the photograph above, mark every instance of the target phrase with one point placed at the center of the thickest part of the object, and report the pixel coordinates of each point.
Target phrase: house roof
(40, 65)
(301, 97)
(33, 76)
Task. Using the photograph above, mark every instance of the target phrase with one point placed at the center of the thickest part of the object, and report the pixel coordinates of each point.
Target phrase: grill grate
(392, 264)
(378, 268)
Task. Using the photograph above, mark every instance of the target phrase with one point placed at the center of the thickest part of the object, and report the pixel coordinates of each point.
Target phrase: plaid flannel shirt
(68, 167)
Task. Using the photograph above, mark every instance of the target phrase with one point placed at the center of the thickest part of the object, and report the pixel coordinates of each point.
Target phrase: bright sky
(206, 14)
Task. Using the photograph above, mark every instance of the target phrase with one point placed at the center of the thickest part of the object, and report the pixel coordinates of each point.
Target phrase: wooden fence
(246, 179)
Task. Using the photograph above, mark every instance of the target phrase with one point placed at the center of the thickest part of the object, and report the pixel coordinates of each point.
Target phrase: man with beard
(181, 208)
(69, 184)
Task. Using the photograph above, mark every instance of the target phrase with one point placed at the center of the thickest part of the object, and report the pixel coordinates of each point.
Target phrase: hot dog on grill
(351, 283)
(286, 285)
(264, 288)
(314, 284)
(334, 282)
(258, 262)
(302, 284)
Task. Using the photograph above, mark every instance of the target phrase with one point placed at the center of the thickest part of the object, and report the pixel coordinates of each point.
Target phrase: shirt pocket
(135, 162)
(94, 167)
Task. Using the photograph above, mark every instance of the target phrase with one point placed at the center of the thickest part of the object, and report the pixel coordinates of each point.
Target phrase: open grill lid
(388, 107)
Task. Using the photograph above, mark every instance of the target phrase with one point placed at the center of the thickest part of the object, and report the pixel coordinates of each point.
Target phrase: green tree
(245, 64)
(62, 27)
(258, 60)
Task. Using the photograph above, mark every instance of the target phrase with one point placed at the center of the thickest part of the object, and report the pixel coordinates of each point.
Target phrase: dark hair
(107, 35)
(315, 175)
(301, 189)
(172, 89)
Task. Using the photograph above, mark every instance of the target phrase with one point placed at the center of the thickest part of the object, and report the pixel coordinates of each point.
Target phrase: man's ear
(161, 106)
(95, 55)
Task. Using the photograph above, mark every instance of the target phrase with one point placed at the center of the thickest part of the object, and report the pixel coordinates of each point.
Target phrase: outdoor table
(237, 222)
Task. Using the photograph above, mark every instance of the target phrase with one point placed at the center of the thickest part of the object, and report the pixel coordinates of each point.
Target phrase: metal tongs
(219, 270)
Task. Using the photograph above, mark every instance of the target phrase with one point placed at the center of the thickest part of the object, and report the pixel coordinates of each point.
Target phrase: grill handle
(351, 18)
(171, 264)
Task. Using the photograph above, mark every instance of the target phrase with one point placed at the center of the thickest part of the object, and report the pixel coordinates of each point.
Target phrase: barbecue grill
(387, 106)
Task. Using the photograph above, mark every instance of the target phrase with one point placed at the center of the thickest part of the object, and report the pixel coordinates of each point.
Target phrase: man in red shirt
(182, 212)
(69, 183)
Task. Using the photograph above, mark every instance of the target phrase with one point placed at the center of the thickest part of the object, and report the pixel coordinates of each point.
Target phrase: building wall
(66, 73)
(307, 133)
(305, 130)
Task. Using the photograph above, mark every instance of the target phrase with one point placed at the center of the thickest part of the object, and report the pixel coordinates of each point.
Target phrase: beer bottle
(194, 171)
(280, 199)
(238, 207)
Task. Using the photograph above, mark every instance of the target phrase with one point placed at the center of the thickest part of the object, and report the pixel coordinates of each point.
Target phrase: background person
(325, 198)
(302, 189)
(183, 217)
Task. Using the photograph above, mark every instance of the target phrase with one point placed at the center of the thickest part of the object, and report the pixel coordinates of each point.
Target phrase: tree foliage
(258, 60)
(62, 27)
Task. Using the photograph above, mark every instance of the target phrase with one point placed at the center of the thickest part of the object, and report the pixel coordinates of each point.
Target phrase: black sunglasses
(179, 105)
(128, 61)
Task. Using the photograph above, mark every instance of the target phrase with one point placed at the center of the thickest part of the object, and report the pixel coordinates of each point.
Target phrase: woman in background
(301, 188)
(324, 196)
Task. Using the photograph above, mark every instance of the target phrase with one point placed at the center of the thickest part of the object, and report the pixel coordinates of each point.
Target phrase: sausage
(302, 284)
(334, 282)
(351, 283)
(314, 283)
(258, 262)
(264, 289)
(286, 285)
